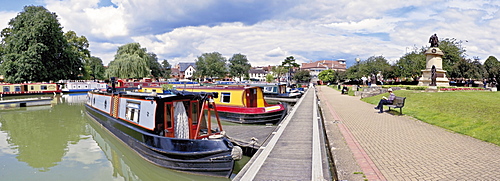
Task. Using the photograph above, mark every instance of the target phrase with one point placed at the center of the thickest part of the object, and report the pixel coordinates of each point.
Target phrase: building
(316, 67)
(183, 70)
(258, 74)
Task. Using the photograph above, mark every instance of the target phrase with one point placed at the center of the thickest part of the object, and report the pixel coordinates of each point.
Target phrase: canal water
(60, 142)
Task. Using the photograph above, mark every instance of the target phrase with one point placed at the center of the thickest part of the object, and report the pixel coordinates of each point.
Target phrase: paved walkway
(390, 147)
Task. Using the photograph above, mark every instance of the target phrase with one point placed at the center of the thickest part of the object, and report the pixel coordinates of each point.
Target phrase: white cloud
(268, 31)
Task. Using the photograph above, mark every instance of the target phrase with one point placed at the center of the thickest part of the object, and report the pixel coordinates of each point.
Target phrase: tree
(95, 68)
(211, 65)
(289, 64)
(302, 76)
(373, 65)
(411, 65)
(35, 48)
(131, 61)
(453, 53)
(278, 71)
(239, 66)
(154, 66)
(327, 76)
(166, 69)
(79, 45)
(269, 78)
(492, 67)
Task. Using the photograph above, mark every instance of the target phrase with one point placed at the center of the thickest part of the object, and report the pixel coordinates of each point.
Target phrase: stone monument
(436, 76)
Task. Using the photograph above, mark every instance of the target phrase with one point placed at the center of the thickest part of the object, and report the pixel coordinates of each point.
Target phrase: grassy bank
(476, 114)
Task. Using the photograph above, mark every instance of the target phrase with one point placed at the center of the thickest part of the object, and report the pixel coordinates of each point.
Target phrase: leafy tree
(35, 48)
(269, 78)
(95, 68)
(302, 76)
(453, 53)
(211, 65)
(154, 66)
(492, 67)
(327, 76)
(373, 65)
(410, 65)
(79, 45)
(166, 69)
(289, 64)
(239, 66)
(469, 69)
(131, 61)
(278, 71)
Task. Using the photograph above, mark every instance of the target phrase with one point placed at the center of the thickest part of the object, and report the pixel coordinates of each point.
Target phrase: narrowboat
(29, 88)
(276, 90)
(172, 130)
(81, 86)
(239, 104)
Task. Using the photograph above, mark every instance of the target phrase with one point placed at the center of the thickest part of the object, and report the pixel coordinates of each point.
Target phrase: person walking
(386, 101)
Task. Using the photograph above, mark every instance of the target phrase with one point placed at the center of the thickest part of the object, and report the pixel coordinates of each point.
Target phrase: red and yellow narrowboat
(240, 104)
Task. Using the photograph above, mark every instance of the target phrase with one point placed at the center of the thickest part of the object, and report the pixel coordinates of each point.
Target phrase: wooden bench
(398, 102)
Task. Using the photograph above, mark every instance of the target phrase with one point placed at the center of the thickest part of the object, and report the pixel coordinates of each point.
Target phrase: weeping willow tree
(131, 61)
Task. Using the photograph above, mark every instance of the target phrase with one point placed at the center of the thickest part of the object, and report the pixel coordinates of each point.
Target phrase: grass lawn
(475, 113)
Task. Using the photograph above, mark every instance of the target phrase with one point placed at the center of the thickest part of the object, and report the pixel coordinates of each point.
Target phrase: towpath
(390, 147)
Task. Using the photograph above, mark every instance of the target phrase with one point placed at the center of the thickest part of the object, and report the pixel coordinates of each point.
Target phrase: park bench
(398, 102)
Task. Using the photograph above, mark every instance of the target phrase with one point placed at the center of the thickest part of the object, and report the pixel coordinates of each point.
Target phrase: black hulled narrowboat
(173, 130)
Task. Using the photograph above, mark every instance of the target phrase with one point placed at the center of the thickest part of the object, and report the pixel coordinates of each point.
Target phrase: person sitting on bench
(385, 101)
(345, 90)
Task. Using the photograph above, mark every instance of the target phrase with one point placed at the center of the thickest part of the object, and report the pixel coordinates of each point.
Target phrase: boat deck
(293, 151)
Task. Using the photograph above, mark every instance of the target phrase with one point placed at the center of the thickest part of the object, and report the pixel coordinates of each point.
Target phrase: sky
(269, 31)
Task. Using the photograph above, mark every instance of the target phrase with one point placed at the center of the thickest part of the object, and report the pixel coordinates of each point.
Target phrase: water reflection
(42, 136)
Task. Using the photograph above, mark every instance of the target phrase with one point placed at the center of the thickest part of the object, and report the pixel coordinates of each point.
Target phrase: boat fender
(237, 153)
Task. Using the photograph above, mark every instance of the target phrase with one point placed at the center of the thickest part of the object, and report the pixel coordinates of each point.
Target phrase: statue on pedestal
(434, 40)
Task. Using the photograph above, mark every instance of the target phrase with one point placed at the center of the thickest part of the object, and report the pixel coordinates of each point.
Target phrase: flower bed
(462, 89)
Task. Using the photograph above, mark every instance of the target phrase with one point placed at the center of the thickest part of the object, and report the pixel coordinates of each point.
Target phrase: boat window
(268, 89)
(194, 112)
(168, 115)
(275, 89)
(226, 97)
(17, 88)
(6, 89)
(132, 111)
(43, 87)
(32, 87)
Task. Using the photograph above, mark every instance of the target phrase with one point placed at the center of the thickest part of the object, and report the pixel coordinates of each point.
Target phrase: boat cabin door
(251, 97)
(169, 120)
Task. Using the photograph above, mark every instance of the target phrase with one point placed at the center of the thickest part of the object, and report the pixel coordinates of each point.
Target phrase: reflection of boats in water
(74, 98)
(240, 104)
(172, 130)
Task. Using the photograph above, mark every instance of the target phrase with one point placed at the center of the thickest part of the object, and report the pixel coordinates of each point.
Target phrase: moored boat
(172, 130)
(81, 86)
(240, 104)
(29, 88)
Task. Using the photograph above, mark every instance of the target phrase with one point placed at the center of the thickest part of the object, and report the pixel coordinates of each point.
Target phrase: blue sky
(269, 31)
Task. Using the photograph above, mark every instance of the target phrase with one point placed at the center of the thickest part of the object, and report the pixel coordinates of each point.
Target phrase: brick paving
(390, 147)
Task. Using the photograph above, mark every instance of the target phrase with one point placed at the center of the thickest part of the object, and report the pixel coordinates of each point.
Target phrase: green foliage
(35, 49)
(95, 69)
(279, 71)
(211, 65)
(492, 67)
(471, 113)
(370, 66)
(239, 66)
(289, 64)
(453, 53)
(410, 65)
(269, 78)
(327, 76)
(166, 69)
(131, 61)
(302, 76)
(154, 65)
